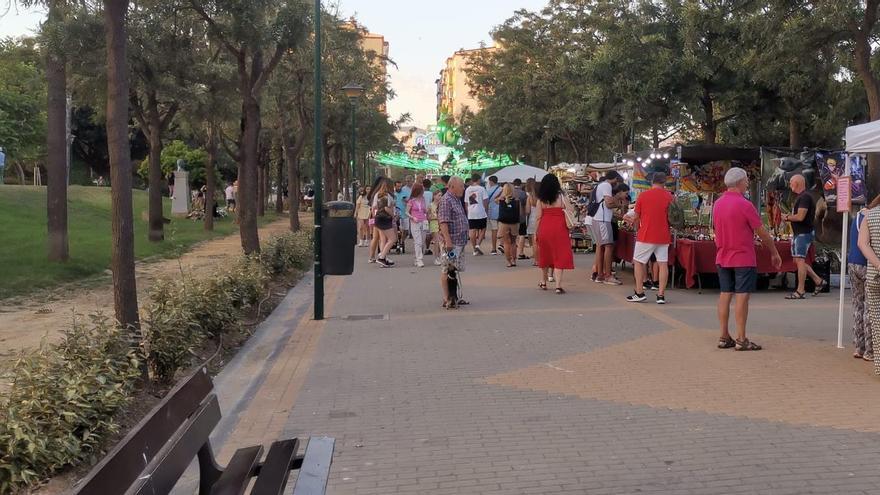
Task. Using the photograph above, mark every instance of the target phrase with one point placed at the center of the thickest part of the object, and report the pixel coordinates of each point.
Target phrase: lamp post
(547, 133)
(318, 201)
(353, 91)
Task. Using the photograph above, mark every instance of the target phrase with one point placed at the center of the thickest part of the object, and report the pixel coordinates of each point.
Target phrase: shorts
(601, 233)
(508, 231)
(524, 229)
(384, 223)
(644, 250)
(493, 224)
(457, 261)
(230, 203)
(800, 245)
(434, 226)
(738, 280)
(477, 224)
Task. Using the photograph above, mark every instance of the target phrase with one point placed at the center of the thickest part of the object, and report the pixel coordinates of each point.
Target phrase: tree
(122, 256)
(22, 103)
(256, 35)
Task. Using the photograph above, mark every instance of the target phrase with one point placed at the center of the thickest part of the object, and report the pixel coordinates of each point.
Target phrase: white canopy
(864, 138)
(521, 172)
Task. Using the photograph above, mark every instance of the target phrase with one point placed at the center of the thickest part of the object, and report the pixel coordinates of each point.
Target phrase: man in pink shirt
(736, 222)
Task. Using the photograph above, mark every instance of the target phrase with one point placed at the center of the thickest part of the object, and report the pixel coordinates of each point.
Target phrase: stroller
(400, 247)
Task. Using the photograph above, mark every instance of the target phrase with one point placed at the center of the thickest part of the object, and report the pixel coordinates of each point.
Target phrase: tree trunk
(154, 135)
(210, 177)
(56, 144)
(655, 137)
(794, 132)
(279, 187)
(122, 258)
(246, 203)
(862, 59)
(710, 128)
(292, 152)
(261, 203)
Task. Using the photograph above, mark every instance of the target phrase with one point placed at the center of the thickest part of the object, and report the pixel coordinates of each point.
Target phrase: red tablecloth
(697, 257)
(625, 246)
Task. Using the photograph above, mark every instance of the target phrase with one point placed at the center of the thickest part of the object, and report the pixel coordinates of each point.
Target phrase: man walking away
(801, 219)
(522, 196)
(453, 238)
(230, 197)
(600, 230)
(477, 200)
(494, 191)
(652, 238)
(736, 222)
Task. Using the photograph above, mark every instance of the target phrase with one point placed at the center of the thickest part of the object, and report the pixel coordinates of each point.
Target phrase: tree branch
(224, 140)
(169, 115)
(273, 62)
(215, 29)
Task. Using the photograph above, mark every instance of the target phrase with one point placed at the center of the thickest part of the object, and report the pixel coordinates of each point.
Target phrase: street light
(353, 91)
(547, 133)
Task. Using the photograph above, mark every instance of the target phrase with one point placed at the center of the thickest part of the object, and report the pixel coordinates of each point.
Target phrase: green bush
(61, 404)
(286, 251)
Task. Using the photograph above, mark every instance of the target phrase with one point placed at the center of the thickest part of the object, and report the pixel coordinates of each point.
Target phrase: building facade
(375, 46)
(453, 87)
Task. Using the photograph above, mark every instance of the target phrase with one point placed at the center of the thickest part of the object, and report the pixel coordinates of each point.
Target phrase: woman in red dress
(552, 236)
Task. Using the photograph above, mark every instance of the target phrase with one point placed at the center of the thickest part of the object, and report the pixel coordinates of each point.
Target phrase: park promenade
(531, 392)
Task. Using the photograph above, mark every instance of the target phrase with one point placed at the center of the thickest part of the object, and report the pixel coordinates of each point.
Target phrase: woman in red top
(552, 236)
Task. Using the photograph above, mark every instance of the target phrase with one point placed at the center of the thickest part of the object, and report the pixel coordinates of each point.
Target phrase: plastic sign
(844, 196)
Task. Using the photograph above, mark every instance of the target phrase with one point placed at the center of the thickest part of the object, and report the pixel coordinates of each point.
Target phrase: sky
(421, 36)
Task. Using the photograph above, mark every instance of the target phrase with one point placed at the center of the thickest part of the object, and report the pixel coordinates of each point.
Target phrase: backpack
(593, 205)
(675, 215)
(508, 212)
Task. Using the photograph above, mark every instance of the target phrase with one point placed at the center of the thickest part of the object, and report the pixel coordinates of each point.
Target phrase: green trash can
(338, 238)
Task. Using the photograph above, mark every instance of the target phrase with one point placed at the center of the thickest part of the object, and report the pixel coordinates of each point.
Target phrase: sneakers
(501, 249)
(478, 251)
(428, 252)
(437, 262)
(493, 253)
(596, 278)
(636, 297)
(372, 260)
(551, 279)
(386, 263)
(648, 285)
(661, 299)
(655, 286)
(420, 264)
(612, 280)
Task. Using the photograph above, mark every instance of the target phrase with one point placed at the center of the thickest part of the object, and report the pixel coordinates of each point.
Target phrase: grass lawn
(23, 264)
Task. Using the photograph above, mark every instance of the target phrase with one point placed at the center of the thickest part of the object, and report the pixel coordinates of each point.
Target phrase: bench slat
(162, 473)
(315, 470)
(125, 462)
(239, 471)
(275, 471)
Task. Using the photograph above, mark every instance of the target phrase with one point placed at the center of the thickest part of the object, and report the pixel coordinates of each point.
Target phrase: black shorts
(738, 280)
(478, 224)
(523, 229)
(230, 203)
(386, 223)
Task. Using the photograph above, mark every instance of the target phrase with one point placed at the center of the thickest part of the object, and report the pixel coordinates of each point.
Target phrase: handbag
(569, 218)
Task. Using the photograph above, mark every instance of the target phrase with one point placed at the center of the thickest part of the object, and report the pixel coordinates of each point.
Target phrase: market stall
(698, 257)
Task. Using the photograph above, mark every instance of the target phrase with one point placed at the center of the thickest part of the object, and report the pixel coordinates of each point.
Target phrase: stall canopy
(521, 172)
(864, 138)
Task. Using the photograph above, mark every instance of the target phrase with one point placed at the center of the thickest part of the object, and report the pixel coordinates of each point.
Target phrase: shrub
(286, 251)
(61, 404)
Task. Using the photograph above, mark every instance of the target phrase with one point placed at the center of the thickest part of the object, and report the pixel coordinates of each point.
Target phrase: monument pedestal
(181, 202)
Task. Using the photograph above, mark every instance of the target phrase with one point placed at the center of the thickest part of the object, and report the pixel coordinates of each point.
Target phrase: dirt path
(25, 321)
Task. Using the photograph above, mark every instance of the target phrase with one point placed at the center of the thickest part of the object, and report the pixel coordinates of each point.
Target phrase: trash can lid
(338, 209)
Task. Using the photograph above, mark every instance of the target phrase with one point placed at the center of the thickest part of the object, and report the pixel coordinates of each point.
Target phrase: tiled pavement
(531, 392)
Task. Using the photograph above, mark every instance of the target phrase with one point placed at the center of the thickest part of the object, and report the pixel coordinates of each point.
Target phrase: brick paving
(531, 392)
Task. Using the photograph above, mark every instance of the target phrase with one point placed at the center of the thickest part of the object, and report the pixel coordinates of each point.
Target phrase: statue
(180, 203)
(180, 164)
(2, 165)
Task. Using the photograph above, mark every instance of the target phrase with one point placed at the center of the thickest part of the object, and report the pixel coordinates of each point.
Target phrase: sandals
(726, 343)
(868, 356)
(858, 355)
(560, 290)
(796, 295)
(819, 287)
(542, 286)
(747, 345)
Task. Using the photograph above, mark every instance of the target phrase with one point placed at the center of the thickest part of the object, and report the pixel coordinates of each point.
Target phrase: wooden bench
(158, 450)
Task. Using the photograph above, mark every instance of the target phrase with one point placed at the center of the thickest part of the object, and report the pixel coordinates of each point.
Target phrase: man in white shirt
(476, 198)
(600, 230)
(230, 197)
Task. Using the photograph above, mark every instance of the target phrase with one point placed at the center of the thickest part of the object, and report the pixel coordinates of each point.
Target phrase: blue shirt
(401, 198)
(855, 255)
(429, 197)
(494, 193)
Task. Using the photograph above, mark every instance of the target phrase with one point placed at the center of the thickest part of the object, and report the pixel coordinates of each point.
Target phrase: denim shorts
(738, 280)
(801, 244)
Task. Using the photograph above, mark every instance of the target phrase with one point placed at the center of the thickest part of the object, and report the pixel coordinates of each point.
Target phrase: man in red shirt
(653, 238)
(736, 222)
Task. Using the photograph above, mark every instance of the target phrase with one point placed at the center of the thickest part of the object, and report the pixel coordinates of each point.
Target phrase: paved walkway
(532, 392)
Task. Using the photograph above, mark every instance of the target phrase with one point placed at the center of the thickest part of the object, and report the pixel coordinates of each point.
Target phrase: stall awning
(864, 138)
(699, 154)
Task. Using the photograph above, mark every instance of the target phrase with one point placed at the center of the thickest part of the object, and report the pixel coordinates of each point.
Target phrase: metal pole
(844, 244)
(548, 151)
(318, 201)
(353, 147)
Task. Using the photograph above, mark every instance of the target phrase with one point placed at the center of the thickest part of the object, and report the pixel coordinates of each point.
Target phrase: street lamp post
(353, 91)
(547, 133)
(318, 201)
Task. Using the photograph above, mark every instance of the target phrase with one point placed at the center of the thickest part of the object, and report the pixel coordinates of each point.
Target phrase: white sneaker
(419, 264)
(437, 261)
(612, 281)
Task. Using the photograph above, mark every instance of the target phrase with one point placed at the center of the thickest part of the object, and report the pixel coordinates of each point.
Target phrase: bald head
(797, 183)
(456, 186)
